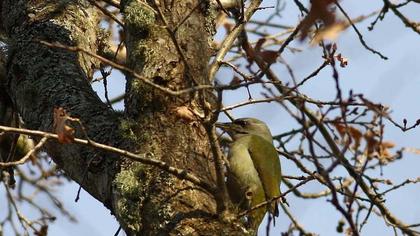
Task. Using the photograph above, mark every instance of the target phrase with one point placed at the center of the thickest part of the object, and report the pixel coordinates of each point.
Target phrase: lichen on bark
(129, 184)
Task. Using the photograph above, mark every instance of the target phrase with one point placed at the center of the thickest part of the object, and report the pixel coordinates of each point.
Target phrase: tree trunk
(145, 199)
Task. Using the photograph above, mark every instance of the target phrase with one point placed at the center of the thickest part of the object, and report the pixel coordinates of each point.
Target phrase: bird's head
(245, 126)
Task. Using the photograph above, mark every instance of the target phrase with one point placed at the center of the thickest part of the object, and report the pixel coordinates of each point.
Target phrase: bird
(254, 171)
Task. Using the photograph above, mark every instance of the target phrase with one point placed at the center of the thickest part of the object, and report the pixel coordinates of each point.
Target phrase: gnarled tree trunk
(146, 200)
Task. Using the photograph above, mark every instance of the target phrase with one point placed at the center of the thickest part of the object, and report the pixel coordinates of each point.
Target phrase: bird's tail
(274, 211)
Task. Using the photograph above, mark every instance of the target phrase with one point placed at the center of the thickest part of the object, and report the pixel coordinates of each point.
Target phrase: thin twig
(107, 13)
(362, 41)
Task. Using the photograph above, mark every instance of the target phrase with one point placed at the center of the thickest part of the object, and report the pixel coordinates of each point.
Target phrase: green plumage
(254, 175)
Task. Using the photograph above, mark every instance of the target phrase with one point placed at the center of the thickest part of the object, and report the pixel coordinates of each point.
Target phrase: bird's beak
(230, 128)
(224, 126)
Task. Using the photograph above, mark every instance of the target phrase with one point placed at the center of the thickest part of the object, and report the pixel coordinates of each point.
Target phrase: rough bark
(40, 78)
(145, 200)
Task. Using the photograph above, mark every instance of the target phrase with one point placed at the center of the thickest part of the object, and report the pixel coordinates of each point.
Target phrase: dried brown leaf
(387, 144)
(269, 56)
(330, 32)
(319, 11)
(340, 128)
(377, 149)
(65, 133)
(356, 135)
(343, 61)
(371, 142)
(235, 80)
(412, 150)
(43, 231)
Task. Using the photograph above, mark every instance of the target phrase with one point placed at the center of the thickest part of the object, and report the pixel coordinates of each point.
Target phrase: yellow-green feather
(266, 161)
(254, 166)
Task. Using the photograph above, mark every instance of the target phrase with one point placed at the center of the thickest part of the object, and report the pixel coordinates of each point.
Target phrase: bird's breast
(242, 166)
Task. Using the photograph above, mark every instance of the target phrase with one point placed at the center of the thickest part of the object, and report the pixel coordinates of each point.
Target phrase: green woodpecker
(254, 174)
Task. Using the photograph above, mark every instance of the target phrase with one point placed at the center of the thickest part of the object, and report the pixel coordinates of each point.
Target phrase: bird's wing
(267, 164)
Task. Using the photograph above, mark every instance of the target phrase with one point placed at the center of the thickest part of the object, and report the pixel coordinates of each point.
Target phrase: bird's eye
(240, 122)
